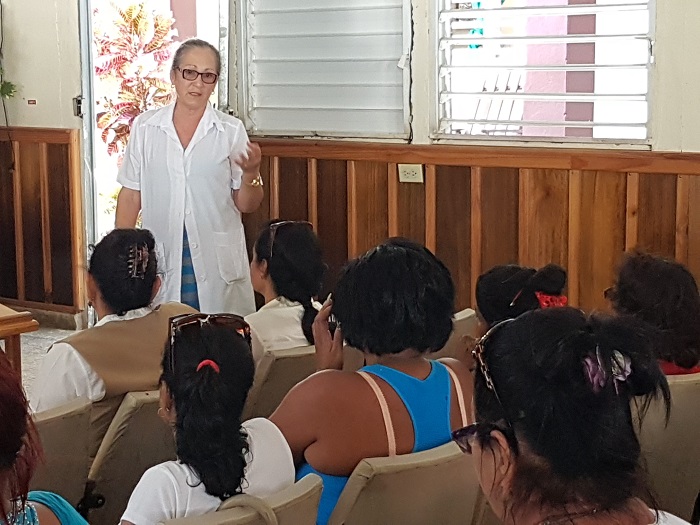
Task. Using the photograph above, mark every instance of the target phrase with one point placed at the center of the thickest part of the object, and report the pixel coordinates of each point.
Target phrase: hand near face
(249, 161)
(329, 348)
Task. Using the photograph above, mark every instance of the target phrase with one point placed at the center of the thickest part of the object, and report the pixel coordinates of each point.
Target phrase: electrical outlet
(411, 173)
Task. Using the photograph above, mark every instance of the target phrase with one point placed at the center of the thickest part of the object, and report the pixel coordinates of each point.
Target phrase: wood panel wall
(41, 219)
(479, 207)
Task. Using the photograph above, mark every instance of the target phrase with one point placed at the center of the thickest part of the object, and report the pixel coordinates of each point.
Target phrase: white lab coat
(193, 187)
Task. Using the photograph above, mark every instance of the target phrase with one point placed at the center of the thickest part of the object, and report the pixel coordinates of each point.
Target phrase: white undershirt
(171, 490)
(64, 375)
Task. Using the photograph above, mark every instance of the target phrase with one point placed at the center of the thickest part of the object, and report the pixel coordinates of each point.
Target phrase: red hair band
(208, 362)
(551, 301)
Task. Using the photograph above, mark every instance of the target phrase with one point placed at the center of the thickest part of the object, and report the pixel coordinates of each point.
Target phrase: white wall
(42, 56)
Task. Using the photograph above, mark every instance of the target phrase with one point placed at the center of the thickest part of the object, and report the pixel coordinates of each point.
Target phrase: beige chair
(465, 323)
(672, 453)
(136, 440)
(277, 372)
(296, 505)
(64, 434)
(434, 486)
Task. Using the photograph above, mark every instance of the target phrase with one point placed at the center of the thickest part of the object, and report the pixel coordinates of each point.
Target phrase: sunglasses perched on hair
(191, 74)
(183, 322)
(275, 226)
(464, 437)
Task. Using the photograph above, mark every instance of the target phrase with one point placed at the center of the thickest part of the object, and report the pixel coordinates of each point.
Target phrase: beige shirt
(64, 375)
(277, 326)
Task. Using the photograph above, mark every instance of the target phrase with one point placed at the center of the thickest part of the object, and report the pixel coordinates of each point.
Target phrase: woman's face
(195, 93)
(258, 273)
(494, 465)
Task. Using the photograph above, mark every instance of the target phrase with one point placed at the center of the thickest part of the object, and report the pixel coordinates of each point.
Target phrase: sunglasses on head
(464, 437)
(275, 226)
(191, 74)
(196, 321)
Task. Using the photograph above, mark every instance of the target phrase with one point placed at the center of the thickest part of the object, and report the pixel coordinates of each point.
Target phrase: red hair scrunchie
(208, 362)
(551, 301)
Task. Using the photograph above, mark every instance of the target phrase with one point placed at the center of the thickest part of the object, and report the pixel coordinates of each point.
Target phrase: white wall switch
(411, 173)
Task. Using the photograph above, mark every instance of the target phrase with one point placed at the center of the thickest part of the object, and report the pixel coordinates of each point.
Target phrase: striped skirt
(188, 287)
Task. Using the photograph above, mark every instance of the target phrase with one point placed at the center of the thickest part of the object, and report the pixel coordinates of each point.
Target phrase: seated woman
(122, 352)
(505, 292)
(207, 372)
(396, 304)
(554, 441)
(664, 294)
(287, 270)
(20, 452)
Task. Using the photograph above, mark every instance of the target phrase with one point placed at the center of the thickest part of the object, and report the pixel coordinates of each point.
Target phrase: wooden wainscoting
(41, 219)
(484, 206)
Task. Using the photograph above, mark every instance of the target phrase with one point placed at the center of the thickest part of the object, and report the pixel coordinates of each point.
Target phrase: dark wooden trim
(488, 156)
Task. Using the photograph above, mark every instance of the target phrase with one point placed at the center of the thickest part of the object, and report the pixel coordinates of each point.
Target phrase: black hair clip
(138, 261)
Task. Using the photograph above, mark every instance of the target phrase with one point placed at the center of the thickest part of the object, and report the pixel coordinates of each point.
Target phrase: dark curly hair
(664, 294)
(396, 296)
(505, 292)
(295, 265)
(209, 404)
(20, 449)
(580, 439)
(123, 286)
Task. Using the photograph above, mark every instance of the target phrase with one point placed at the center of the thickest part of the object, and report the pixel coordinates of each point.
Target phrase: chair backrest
(65, 436)
(277, 372)
(672, 452)
(296, 505)
(465, 323)
(136, 440)
(434, 486)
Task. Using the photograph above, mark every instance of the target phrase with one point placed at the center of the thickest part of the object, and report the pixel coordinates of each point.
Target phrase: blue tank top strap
(428, 402)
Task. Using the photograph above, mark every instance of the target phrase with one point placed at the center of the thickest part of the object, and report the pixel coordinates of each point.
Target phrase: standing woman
(191, 172)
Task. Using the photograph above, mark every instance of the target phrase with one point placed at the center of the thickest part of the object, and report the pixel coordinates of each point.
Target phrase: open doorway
(131, 45)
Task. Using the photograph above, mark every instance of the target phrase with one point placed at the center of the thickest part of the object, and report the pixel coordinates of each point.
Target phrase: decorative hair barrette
(595, 369)
(138, 261)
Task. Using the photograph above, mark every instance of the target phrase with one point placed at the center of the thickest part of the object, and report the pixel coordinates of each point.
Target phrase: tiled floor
(34, 347)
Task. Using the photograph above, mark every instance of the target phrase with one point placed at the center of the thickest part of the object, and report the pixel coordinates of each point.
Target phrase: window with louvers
(325, 67)
(564, 70)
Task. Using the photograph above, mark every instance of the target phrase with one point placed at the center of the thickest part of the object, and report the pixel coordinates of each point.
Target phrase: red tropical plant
(132, 50)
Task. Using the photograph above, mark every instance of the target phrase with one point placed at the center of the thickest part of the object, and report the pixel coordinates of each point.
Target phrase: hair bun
(550, 279)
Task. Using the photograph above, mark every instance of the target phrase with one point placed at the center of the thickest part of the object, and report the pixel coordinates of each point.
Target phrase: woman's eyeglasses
(191, 74)
(464, 437)
(196, 321)
(275, 226)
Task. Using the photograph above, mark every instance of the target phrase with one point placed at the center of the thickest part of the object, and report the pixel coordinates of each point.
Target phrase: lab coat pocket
(229, 258)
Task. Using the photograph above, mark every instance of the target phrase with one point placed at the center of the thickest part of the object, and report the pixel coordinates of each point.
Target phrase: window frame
(243, 88)
(565, 142)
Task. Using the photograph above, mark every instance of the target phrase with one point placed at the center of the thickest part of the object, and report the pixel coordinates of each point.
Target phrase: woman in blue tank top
(396, 304)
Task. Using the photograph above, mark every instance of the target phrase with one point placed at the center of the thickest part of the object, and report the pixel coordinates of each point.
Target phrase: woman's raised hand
(329, 347)
(249, 161)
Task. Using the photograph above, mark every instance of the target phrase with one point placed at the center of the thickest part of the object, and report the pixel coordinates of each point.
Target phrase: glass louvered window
(569, 70)
(325, 67)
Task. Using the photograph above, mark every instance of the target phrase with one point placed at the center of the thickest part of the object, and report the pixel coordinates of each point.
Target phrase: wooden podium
(12, 324)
